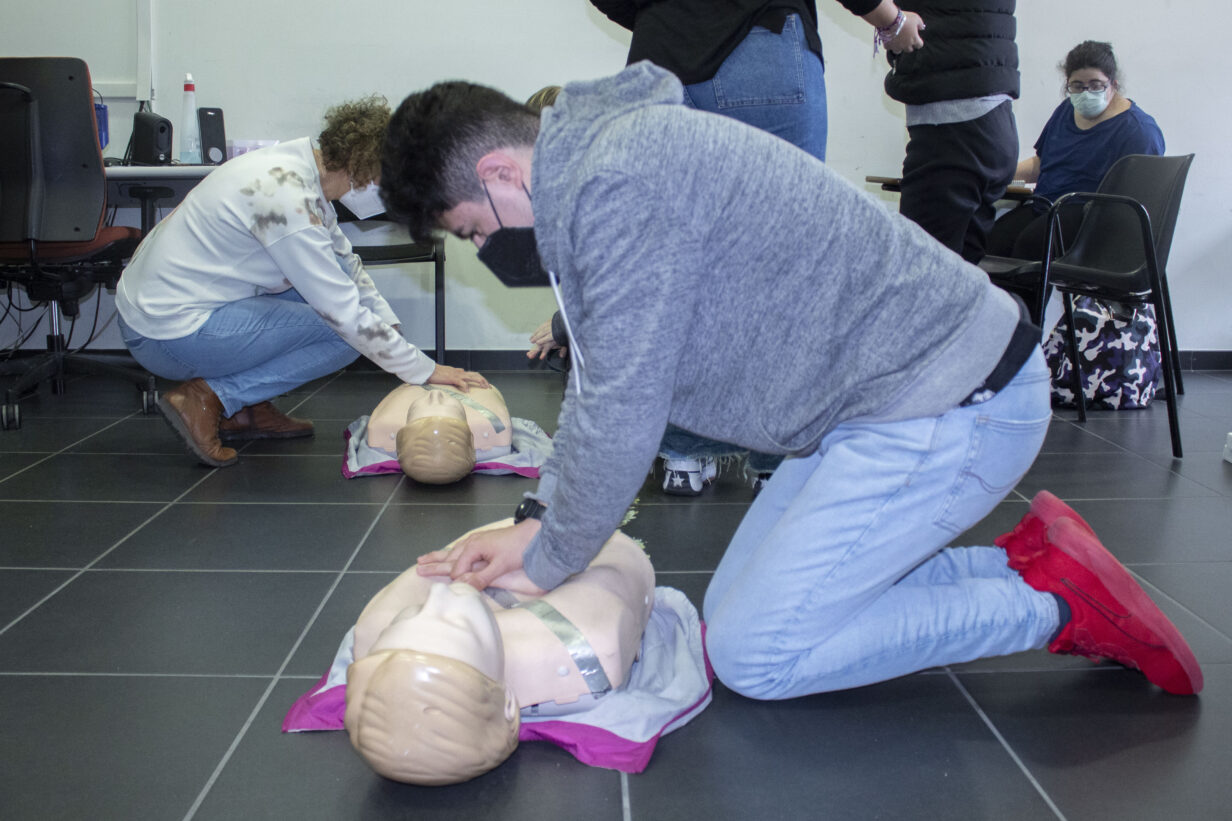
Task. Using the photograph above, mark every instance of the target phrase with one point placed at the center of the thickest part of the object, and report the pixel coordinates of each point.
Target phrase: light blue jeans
(837, 576)
(772, 82)
(249, 350)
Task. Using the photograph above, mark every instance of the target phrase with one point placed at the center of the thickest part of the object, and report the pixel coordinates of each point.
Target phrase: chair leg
(1075, 361)
(1166, 313)
(1171, 376)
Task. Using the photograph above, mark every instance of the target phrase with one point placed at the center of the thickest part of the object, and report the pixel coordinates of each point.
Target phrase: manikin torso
(608, 604)
(485, 409)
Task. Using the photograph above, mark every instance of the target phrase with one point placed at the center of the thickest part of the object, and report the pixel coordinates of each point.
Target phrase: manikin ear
(499, 166)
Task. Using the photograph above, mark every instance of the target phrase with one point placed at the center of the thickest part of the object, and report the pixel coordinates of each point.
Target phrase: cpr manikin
(441, 670)
(437, 433)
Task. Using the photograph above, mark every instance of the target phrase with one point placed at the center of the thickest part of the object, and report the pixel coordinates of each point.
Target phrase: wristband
(884, 34)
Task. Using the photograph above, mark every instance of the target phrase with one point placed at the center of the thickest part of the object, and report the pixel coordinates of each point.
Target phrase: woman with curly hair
(249, 289)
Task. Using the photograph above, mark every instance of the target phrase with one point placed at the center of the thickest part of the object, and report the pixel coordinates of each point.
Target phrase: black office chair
(1121, 254)
(52, 202)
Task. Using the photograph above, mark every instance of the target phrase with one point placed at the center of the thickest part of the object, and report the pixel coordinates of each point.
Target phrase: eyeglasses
(1077, 88)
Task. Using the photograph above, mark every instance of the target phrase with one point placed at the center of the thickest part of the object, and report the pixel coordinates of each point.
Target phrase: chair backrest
(52, 184)
(1109, 238)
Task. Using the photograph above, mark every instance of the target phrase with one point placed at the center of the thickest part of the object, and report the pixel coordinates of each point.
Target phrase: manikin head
(436, 445)
(429, 705)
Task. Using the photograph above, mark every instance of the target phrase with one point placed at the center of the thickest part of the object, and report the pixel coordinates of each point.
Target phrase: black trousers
(1022, 232)
(954, 174)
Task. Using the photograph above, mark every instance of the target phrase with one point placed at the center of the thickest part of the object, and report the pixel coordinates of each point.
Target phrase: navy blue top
(1072, 159)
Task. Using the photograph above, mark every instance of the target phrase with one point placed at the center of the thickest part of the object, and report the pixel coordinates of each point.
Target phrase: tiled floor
(157, 618)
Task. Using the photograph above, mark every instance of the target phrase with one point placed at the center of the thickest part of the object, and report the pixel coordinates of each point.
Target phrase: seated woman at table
(1093, 128)
(249, 289)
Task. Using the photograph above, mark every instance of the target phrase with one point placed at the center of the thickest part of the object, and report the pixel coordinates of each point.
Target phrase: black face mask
(511, 253)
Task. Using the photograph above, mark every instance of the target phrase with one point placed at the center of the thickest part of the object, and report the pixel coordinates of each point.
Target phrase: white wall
(274, 72)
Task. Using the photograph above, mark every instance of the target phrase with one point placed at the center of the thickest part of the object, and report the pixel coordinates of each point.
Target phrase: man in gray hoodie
(714, 276)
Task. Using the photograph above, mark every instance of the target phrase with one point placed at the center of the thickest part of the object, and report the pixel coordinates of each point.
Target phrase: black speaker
(213, 136)
(151, 139)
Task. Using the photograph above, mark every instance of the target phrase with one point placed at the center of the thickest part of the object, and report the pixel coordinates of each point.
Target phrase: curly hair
(1091, 54)
(351, 140)
(543, 98)
(434, 141)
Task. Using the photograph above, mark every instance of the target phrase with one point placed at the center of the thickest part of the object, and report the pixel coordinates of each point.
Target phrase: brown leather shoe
(262, 421)
(193, 411)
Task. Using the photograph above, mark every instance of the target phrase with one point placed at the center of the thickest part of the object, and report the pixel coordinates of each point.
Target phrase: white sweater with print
(259, 224)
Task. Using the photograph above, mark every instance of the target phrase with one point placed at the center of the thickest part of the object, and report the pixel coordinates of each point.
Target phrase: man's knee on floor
(744, 668)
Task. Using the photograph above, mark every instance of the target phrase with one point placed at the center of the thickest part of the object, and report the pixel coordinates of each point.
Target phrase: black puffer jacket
(969, 51)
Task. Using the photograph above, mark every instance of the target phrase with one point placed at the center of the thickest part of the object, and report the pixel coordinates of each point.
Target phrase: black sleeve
(860, 7)
(620, 12)
(559, 335)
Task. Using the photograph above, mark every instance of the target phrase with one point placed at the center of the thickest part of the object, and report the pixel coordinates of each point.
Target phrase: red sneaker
(1055, 551)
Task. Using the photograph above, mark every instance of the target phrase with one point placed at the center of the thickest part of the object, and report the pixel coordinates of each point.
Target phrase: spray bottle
(190, 130)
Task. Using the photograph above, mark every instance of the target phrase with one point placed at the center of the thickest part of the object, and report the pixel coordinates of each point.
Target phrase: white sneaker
(687, 477)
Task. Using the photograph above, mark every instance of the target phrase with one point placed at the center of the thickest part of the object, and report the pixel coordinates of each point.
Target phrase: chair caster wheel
(149, 402)
(10, 417)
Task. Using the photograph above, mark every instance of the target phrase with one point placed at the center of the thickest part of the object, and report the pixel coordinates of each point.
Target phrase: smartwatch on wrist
(529, 509)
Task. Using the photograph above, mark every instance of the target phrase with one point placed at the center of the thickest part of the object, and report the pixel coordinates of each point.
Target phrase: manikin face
(455, 623)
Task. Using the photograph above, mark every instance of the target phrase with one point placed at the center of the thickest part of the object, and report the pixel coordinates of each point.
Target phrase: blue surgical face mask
(1090, 104)
(365, 202)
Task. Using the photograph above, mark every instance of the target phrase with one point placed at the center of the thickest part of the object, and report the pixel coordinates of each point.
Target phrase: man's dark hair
(434, 141)
(1091, 54)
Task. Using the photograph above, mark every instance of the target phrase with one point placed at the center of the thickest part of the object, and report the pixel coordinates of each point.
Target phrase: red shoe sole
(1049, 508)
(1072, 551)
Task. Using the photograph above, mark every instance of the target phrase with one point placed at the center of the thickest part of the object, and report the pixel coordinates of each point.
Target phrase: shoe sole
(1049, 508)
(249, 437)
(177, 424)
(1169, 662)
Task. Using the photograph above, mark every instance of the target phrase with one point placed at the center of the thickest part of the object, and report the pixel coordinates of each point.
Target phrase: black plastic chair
(1120, 254)
(52, 201)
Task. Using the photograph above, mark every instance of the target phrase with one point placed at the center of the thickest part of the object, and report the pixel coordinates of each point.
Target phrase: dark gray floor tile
(309, 776)
(1162, 530)
(66, 534)
(1066, 436)
(135, 435)
(12, 464)
(106, 477)
(1111, 746)
(22, 589)
(685, 537)
(1105, 476)
(474, 489)
(166, 622)
(1202, 588)
(910, 748)
(1146, 432)
(348, 599)
(406, 532)
(284, 479)
(1208, 469)
(113, 747)
(50, 434)
(326, 441)
(246, 537)
(84, 396)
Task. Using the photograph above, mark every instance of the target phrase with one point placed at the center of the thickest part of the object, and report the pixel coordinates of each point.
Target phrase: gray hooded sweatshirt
(719, 278)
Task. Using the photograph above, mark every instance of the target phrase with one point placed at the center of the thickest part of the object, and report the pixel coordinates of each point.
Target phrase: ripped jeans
(838, 576)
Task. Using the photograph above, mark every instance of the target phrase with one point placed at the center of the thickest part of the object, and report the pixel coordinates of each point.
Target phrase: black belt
(1025, 340)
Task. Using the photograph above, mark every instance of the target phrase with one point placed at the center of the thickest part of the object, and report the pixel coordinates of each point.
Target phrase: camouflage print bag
(1119, 348)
